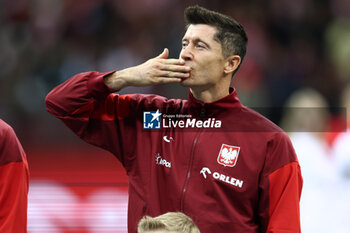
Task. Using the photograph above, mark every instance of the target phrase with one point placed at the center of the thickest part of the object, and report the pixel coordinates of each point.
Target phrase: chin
(186, 83)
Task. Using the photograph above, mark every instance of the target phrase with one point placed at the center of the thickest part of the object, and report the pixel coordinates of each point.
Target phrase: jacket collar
(211, 109)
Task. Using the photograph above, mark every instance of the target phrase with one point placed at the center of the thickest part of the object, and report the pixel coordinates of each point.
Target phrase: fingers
(172, 65)
(172, 74)
(175, 68)
(164, 58)
(172, 61)
(164, 80)
(161, 70)
(164, 54)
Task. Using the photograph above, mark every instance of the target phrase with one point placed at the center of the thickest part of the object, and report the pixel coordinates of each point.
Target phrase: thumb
(164, 54)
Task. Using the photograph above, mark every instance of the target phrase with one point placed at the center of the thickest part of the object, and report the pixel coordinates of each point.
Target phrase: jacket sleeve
(90, 109)
(14, 180)
(280, 188)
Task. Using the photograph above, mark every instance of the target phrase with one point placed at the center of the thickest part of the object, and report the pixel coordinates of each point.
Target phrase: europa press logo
(151, 120)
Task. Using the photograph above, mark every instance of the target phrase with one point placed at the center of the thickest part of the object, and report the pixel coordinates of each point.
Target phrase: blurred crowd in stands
(298, 56)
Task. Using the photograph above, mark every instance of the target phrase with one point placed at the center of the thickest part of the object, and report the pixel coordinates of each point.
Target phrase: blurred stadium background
(298, 56)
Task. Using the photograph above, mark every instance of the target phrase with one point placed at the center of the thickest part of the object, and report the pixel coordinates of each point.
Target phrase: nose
(186, 54)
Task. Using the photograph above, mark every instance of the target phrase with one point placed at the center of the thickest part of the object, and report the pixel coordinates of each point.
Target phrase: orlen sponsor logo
(224, 178)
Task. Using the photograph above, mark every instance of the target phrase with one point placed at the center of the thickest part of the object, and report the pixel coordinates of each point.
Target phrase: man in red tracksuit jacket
(224, 165)
(14, 180)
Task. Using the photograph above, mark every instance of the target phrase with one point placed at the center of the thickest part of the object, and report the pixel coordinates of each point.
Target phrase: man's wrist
(115, 81)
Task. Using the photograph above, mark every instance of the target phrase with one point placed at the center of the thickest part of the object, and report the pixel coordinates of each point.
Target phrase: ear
(231, 64)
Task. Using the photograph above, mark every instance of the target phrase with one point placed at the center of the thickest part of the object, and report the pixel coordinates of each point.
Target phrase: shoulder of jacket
(5, 128)
(259, 121)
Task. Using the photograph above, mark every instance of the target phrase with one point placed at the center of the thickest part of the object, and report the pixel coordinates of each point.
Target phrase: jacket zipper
(184, 190)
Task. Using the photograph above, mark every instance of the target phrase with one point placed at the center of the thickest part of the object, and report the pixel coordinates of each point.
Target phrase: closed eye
(197, 43)
(184, 44)
(200, 46)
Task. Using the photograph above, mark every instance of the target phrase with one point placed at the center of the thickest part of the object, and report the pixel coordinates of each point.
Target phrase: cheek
(214, 68)
(210, 66)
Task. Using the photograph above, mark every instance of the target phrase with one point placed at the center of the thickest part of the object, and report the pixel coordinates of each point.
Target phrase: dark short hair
(230, 34)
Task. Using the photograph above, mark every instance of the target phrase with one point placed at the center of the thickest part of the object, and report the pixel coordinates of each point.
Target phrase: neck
(207, 96)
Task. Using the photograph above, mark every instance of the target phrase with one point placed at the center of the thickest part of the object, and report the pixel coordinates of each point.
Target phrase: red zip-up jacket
(241, 177)
(14, 180)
